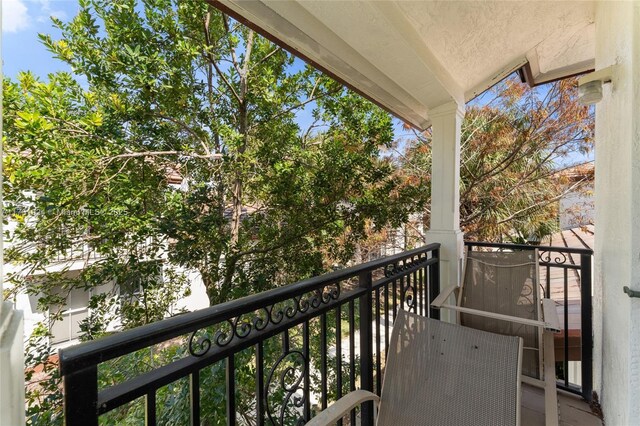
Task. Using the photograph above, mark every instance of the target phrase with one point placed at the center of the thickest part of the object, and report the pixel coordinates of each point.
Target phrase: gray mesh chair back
(443, 374)
(505, 283)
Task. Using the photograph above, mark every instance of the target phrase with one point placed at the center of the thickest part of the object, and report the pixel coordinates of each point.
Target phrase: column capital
(448, 108)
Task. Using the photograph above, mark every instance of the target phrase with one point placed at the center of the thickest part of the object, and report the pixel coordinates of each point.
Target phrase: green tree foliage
(181, 147)
(516, 148)
(182, 88)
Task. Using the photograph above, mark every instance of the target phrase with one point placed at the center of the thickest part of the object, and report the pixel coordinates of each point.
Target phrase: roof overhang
(410, 57)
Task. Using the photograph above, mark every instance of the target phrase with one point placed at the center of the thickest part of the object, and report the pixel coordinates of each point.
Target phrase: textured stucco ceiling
(475, 39)
(413, 56)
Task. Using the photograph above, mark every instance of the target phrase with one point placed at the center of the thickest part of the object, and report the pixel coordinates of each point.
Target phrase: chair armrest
(551, 320)
(502, 317)
(340, 408)
(443, 296)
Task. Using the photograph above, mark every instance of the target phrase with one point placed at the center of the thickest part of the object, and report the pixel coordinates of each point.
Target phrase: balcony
(418, 60)
(281, 356)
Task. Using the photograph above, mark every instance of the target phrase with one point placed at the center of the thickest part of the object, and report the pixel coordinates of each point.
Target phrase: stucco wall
(634, 375)
(617, 246)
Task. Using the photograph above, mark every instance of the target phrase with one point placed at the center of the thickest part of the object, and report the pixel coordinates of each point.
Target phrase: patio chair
(500, 293)
(438, 373)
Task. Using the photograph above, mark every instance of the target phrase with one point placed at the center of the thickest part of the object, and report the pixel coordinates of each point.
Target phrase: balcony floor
(573, 411)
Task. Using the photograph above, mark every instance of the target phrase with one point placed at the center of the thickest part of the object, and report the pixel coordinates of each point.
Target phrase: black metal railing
(270, 358)
(565, 274)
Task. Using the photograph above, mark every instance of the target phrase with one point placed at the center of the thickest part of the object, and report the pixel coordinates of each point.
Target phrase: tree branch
(294, 107)
(184, 126)
(212, 61)
(228, 30)
(540, 204)
(247, 54)
(161, 153)
(267, 56)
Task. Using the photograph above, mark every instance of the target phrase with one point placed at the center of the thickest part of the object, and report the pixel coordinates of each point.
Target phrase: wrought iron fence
(565, 274)
(271, 358)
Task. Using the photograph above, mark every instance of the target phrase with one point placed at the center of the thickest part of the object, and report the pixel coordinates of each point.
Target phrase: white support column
(446, 122)
(11, 366)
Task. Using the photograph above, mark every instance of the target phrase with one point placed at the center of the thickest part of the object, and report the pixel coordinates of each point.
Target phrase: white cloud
(15, 16)
(46, 11)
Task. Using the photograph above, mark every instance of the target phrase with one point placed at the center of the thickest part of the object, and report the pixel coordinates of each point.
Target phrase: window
(148, 273)
(74, 311)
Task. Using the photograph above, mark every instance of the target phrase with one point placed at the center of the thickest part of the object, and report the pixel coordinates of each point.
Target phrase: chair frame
(546, 327)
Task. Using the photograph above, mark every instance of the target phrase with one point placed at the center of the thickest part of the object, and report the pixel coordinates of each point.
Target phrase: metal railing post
(586, 317)
(366, 349)
(81, 397)
(434, 284)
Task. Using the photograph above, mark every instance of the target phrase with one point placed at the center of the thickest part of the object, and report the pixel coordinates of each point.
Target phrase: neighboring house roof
(579, 172)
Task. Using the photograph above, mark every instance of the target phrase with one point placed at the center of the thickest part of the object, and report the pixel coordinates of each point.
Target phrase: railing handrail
(97, 351)
(530, 247)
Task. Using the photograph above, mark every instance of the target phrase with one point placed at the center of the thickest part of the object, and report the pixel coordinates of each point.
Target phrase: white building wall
(27, 304)
(198, 298)
(576, 209)
(617, 246)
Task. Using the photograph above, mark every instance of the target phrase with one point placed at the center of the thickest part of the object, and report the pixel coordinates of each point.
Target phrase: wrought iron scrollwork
(287, 309)
(559, 258)
(223, 337)
(286, 375)
(330, 292)
(410, 298)
(390, 270)
(402, 265)
(241, 326)
(200, 346)
(261, 322)
(303, 304)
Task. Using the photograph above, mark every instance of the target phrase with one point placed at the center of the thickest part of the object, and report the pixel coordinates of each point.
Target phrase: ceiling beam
(263, 19)
(403, 27)
(495, 78)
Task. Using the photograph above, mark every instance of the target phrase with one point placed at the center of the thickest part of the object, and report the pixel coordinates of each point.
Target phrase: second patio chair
(500, 293)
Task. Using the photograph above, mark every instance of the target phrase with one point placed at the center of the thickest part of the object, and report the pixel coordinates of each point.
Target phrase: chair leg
(550, 391)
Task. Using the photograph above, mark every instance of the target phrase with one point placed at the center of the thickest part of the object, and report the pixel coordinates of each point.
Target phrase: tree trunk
(243, 129)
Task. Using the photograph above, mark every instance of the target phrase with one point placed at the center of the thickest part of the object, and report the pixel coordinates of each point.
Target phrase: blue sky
(22, 20)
